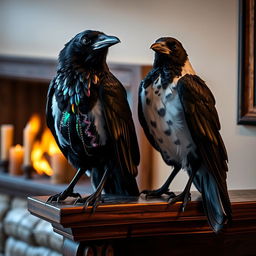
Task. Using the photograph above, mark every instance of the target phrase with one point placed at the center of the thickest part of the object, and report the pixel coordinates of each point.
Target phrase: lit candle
(60, 168)
(16, 160)
(6, 140)
(28, 138)
(29, 134)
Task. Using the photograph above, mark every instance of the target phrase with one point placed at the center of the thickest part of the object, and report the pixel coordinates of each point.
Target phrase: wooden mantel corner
(131, 219)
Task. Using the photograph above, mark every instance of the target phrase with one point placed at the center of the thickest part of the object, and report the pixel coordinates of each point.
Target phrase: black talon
(156, 193)
(170, 194)
(55, 198)
(165, 187)
(62, 196)
(93, 200)
(183, 197)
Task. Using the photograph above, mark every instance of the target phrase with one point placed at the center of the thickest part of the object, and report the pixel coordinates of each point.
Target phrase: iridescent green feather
(66, 117)
(77, 125)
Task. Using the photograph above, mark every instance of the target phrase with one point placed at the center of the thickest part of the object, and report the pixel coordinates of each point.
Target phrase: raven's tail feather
(215, 199)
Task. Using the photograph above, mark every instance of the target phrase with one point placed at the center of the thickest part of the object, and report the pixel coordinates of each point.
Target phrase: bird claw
(75, 195)
(56, 198)
(155, 193)
(62, 196)
(92, 200)
(184, 197)
(170, 194)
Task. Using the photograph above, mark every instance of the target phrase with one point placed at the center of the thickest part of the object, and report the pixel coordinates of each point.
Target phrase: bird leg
(95, 198)
(69, 190)
(184, 196)
(165, 188)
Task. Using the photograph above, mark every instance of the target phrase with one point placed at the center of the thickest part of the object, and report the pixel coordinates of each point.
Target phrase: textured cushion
(15, 247)
(28, 235)
(4, 198)
(4, 207)
(3, 210)
(40, 251)
(20, 224)
(19, 203)
(45, 236)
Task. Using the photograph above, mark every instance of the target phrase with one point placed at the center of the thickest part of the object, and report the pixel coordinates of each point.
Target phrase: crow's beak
(160, 47)
(105, 41)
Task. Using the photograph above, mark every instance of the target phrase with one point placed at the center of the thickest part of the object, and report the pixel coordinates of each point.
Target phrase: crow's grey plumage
(89, 116)
(177, 112)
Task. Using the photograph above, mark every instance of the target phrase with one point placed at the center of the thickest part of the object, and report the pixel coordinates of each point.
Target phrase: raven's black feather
(89, 116)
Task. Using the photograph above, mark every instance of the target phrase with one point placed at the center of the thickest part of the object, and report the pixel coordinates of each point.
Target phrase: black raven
(88, 113)
(177, 112)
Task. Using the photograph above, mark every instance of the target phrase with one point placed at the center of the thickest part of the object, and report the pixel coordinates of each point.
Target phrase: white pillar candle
(16, 160)
(6, 140)
(28, 140)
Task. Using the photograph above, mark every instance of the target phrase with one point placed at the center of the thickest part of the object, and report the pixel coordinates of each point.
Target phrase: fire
(41, 149)
(34, 123)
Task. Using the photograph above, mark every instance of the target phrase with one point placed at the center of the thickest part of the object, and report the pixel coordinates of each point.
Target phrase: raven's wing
(203, 122)
(49, 115)
(69, 145)
(48, 110)
(120, 124)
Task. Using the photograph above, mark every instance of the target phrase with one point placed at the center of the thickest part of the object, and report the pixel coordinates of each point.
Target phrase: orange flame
(47, 145)
(34, 123)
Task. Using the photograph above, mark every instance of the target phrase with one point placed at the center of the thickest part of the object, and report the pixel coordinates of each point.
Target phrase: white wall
(208, 30)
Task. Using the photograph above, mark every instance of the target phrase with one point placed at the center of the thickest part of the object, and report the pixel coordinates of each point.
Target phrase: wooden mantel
(135, 226)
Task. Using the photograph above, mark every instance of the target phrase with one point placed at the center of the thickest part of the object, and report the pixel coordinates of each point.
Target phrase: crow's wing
(144, 83)
(120, 124)
(203, 122)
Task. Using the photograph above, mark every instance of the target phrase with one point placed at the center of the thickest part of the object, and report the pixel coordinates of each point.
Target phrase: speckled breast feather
(165, 118)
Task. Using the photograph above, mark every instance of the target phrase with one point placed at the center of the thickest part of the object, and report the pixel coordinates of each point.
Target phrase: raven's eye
(84, 41)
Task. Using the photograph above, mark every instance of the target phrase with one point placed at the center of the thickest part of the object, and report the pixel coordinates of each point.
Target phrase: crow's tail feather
(215, 199)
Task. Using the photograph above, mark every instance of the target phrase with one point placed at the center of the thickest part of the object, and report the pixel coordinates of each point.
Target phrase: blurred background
(208, 30)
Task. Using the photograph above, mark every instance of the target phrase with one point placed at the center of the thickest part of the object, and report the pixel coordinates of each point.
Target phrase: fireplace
(23, 89)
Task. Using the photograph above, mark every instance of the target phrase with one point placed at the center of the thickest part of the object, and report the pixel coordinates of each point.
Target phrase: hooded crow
(177, 112)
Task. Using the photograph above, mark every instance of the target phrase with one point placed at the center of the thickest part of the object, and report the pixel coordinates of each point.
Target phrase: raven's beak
(160, 47)
(105, 41)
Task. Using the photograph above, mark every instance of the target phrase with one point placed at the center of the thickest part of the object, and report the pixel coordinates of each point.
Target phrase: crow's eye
(84, 41)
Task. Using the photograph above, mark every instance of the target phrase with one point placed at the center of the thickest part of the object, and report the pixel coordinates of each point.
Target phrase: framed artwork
(247, 71)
